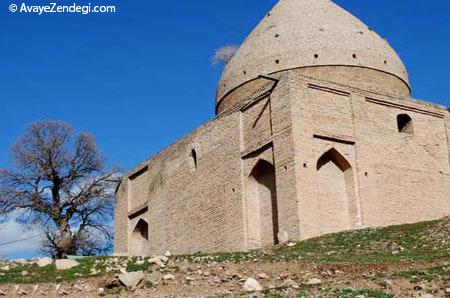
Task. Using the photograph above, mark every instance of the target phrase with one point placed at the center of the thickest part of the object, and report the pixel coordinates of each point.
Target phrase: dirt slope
(399, 261)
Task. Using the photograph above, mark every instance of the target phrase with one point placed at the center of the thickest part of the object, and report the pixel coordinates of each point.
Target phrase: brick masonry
(204, 205)
(302, 152)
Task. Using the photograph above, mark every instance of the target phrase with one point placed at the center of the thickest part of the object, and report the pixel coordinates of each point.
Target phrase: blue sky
(141, 78)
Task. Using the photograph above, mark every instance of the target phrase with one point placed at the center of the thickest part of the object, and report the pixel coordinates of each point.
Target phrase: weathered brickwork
(301, 152)
(447, 125)
(398, 177)
(191, 206)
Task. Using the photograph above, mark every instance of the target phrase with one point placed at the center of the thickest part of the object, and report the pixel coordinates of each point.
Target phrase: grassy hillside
(425, 241)
(396, 261)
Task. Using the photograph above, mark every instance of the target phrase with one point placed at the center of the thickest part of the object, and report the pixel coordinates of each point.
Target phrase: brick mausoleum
(315, 132)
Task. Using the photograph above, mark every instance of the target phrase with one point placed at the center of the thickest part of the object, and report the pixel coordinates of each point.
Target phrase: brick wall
(196, 195)
(398, 177)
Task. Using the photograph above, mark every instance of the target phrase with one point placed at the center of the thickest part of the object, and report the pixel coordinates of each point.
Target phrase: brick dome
(304, 33)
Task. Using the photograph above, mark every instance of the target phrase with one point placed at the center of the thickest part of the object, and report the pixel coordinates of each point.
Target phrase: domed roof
(302, 33)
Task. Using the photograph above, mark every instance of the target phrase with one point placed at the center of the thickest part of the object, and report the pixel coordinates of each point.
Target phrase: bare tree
(60, 183)
(225, 54)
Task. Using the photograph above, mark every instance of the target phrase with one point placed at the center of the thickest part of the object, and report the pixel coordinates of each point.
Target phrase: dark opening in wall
(316, 56)
(194, 159)
(405, 124)
(354, 56)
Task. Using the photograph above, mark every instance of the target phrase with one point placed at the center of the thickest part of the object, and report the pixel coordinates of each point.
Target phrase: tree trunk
(66, 243)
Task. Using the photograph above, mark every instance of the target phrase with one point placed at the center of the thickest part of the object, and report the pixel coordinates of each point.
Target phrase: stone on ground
(163, 259)
(131, 279)
(251, 285)
(101, 291)
(157, 261)
(289, 283)
(169, 277)
(263, 276)
(314, 281)
(22, 293)
(64, 264)
(78, 287)
(43, 262)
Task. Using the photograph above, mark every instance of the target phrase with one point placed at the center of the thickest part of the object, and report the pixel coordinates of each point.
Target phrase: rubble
(65, 264)
(131, 279)
(252, 285)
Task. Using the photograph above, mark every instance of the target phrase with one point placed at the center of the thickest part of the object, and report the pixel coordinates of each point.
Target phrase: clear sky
(142, 78)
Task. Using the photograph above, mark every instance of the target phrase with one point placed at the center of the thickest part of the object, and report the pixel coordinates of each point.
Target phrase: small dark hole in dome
(305, 165)
(277, 61)
(233, 190)
(268, 14)
(385, 62)
(367, 174)
(277, 35)
(244, 72)
(316, 56)
(285, 168)
(354, 56)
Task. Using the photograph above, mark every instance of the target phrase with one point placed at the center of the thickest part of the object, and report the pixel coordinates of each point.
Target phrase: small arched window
(405, 124)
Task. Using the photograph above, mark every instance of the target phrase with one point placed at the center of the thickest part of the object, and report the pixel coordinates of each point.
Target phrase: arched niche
(335, 192)
(139, 238)
(262, 208)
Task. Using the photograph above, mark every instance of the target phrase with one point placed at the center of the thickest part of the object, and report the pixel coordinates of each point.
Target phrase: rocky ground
(403, 261)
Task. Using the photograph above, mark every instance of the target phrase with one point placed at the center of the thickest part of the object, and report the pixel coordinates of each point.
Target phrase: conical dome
(304, 33)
